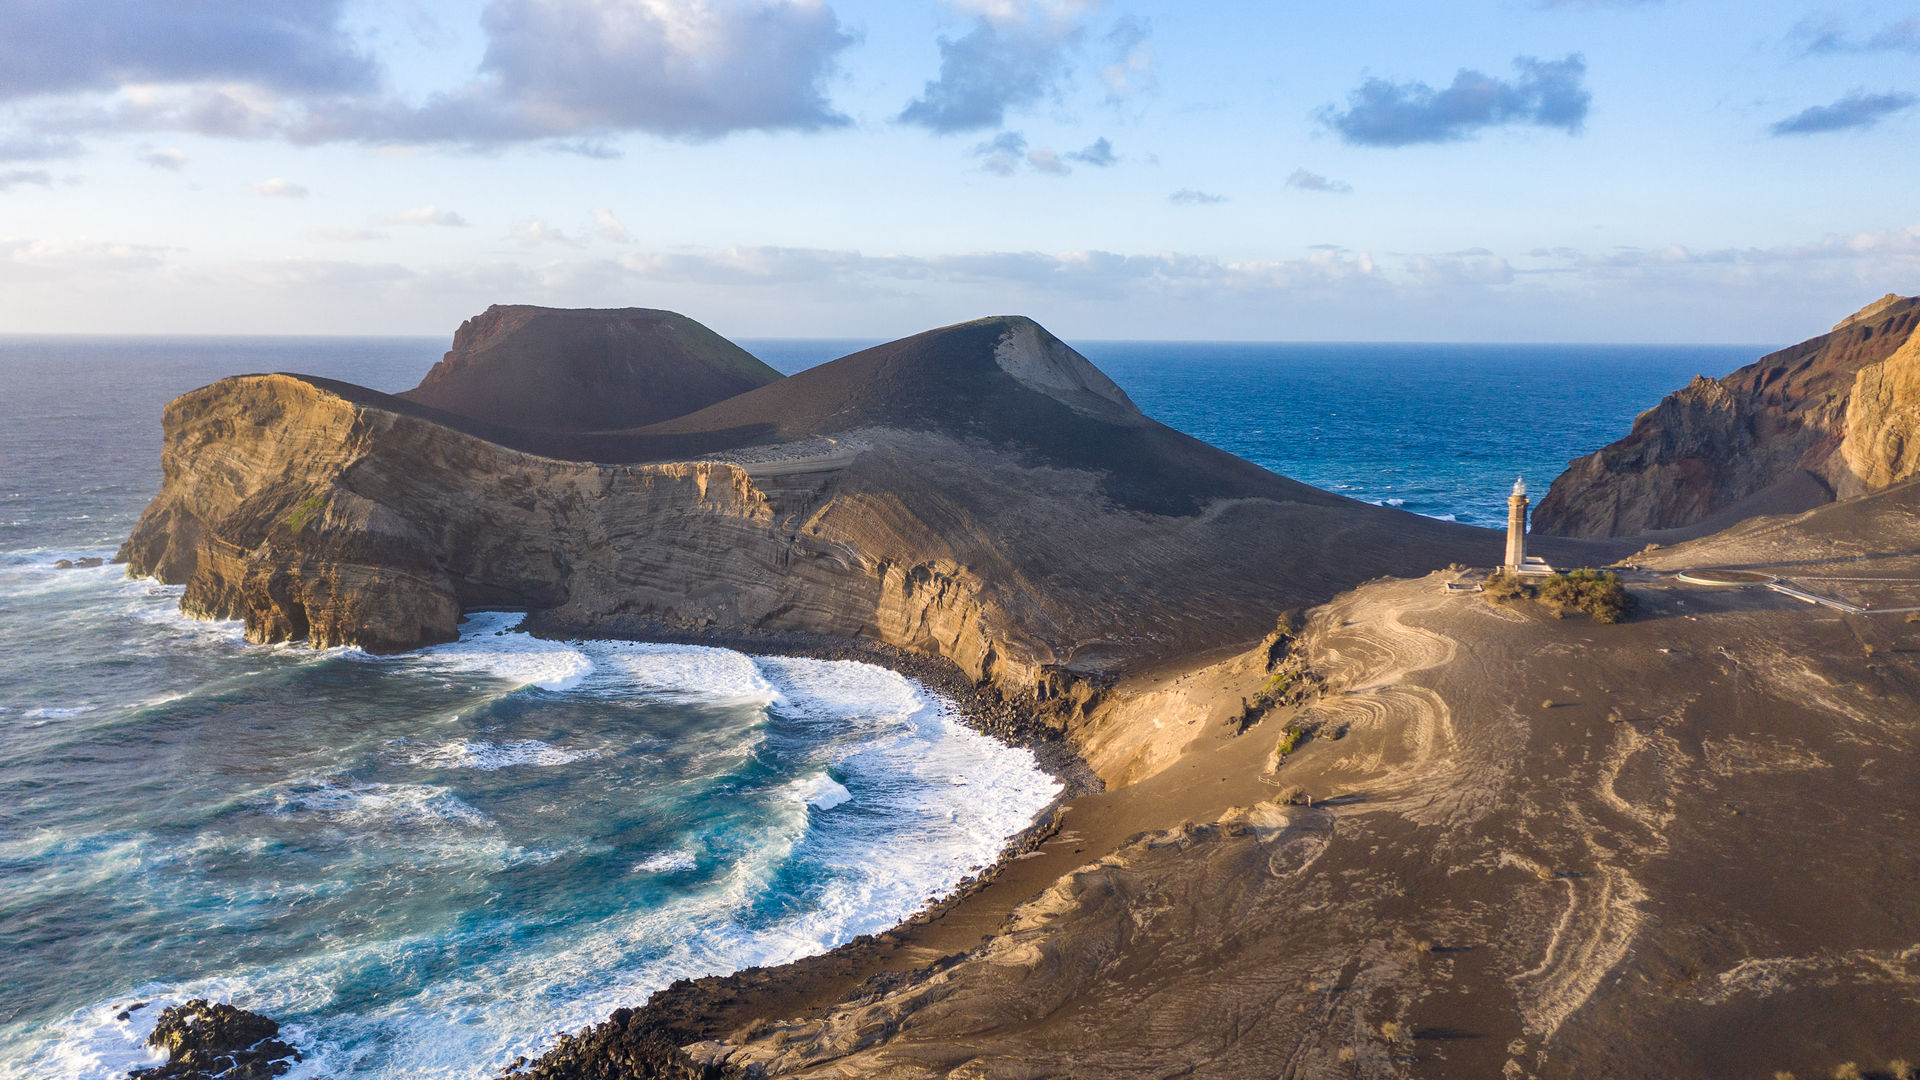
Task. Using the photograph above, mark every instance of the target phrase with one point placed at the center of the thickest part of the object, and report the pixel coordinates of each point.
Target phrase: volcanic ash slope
(1538, 847)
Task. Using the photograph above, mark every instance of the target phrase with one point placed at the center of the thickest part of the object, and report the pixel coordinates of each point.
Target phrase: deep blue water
(428, 864)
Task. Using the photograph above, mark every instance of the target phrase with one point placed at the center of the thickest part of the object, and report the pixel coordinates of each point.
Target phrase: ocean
(428, 864)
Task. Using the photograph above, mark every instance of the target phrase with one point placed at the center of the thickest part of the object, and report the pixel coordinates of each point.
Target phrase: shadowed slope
(553, 369)
(1004, 381)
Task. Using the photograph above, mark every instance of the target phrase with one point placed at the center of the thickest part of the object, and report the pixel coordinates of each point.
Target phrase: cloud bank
(296, 46)
(1544, 93)
(552, 70)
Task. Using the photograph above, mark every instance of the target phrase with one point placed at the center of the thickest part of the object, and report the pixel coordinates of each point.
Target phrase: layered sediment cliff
(1832, 417)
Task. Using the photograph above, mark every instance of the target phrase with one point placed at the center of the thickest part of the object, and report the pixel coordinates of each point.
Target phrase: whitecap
(489, 645)
(822, 792)
(690, 671)
(378, 804)
(666, 862)
(831, 690)
(57, 714)
(1441, 517)
(490, 756)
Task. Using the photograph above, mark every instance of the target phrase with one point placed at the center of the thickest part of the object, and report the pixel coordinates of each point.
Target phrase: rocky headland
(1830, 418)
(980, 493)
(1346, 817)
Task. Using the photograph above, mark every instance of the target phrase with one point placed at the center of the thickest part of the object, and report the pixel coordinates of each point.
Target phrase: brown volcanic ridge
(1831, 417)
(1411, 833)
(559, 370)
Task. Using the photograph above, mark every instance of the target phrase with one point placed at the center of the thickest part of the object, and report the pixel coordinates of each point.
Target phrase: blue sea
(428, 864)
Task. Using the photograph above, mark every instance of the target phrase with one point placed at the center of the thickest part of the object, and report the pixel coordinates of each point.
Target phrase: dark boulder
(206, 1041)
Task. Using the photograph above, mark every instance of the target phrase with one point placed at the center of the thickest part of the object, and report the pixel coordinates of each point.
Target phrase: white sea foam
(57, 714)
(1441, 517)
(917, 770)
(490, 756)
(666, 862)
(380, 805)
(822, 792)
(489, 646)
(690, 671)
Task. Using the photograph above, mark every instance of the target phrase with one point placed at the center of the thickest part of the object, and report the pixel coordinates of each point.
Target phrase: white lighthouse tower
(1517, 526)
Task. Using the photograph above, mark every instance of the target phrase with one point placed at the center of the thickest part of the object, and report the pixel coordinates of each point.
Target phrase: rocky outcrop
(1882, 444)
(205, 1042)
(1829, 418)
(552, 369)
(981, 494)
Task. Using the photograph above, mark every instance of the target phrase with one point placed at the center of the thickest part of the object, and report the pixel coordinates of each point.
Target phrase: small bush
(1392, 1032)
(1295, 796)
(1596, 592)
(305, 513)
(1902, 1069)
(1848, 1071)
(1501, 587)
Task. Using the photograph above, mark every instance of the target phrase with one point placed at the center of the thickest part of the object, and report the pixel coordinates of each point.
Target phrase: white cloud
(10, 178)
(1132, 69)
(56, 259)
(1671, 292)
(167, 157)
(565, 68)
(570, 72)
(534, 232)
(82, 45)
(425, 215)
(347, 235)
(280, 188)
(1313, 181)
(609, 227)
(1015, 54)
(1195, 197)
(1047, 160)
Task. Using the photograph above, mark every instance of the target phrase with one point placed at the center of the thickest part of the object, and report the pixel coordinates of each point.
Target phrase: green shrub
(305, 513)
(1502, 587)
(1596, 592)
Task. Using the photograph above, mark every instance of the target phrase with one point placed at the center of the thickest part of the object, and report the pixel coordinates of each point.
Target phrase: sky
(1479, 170)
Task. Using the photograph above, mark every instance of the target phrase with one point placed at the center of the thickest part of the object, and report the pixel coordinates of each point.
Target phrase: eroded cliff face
(311, 517)
(1832, 417)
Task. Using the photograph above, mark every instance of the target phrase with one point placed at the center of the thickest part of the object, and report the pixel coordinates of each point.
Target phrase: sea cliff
(1830, 418)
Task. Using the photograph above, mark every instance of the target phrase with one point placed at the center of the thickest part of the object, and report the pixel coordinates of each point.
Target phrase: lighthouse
(1517, 526)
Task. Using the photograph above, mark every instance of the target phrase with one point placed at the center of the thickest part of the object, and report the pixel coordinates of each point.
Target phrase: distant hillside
(1832, 417)
(553, 369)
